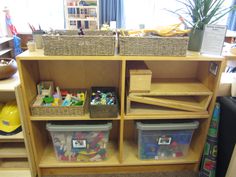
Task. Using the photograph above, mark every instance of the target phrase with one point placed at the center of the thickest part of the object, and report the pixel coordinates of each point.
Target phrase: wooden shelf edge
(49, 159)
(19, 137)
(61, 118)
(121, 169)
(13, 150)
(39, 55)
(15, 172)
(167, 116)
(175, 87)
(5, 39)
(4, 51)
(14, 163)
(8, 85)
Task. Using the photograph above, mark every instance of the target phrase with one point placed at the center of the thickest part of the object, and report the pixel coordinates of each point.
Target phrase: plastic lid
(78, 127)
(168, 126)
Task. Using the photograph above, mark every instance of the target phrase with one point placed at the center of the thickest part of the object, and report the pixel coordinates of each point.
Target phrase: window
(50, 14)
(47, 14)
(152, 13)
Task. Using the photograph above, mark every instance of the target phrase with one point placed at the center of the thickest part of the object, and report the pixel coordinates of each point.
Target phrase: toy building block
(45, 88)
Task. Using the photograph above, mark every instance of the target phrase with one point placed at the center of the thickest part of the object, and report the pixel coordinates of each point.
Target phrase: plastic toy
(45, 88)
(10, 119)
(164, 146)
(103, 98)
(87, 146)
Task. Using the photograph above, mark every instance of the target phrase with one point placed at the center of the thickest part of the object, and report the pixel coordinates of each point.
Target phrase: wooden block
(140, 77)
(185, 103)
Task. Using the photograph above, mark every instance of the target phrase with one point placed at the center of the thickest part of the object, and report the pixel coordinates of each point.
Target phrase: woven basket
(69, 43)
(59, 110)
(153, 46)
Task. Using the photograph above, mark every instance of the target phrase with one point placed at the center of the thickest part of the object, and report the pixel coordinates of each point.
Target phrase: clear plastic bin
(164, 140)
(84, 141)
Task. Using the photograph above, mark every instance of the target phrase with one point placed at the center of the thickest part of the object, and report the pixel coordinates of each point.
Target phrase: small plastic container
(80, 141)
(164, 140)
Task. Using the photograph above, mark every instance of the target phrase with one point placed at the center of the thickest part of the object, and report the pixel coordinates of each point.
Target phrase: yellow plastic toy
(9, 117)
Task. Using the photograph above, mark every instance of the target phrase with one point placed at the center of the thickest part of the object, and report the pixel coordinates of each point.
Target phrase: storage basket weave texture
(57, 111)
(71, 44)
(153, 46)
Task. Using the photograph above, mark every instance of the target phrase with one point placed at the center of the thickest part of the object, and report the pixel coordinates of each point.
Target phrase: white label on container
(165, 140)
(79, 143)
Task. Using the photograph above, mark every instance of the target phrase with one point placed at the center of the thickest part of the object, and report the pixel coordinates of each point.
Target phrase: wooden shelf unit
(15, 149)
(12, 150)
(6, 47)
(111, 71)
(78, 16)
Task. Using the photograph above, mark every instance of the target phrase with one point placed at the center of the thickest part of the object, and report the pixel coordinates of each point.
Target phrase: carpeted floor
(161, 174)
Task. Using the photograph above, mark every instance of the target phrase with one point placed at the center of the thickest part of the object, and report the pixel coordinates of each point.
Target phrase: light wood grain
(14, 163)
(9, 84)
(191, 56)
(81, 74)
(187, 103)
(12, 138)
(12, 150)
(26, 133)
(58, 118)
(173, 87)
(144, 111)
(39, 55)
(15, 173)
(120, 169)
(122, 109)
